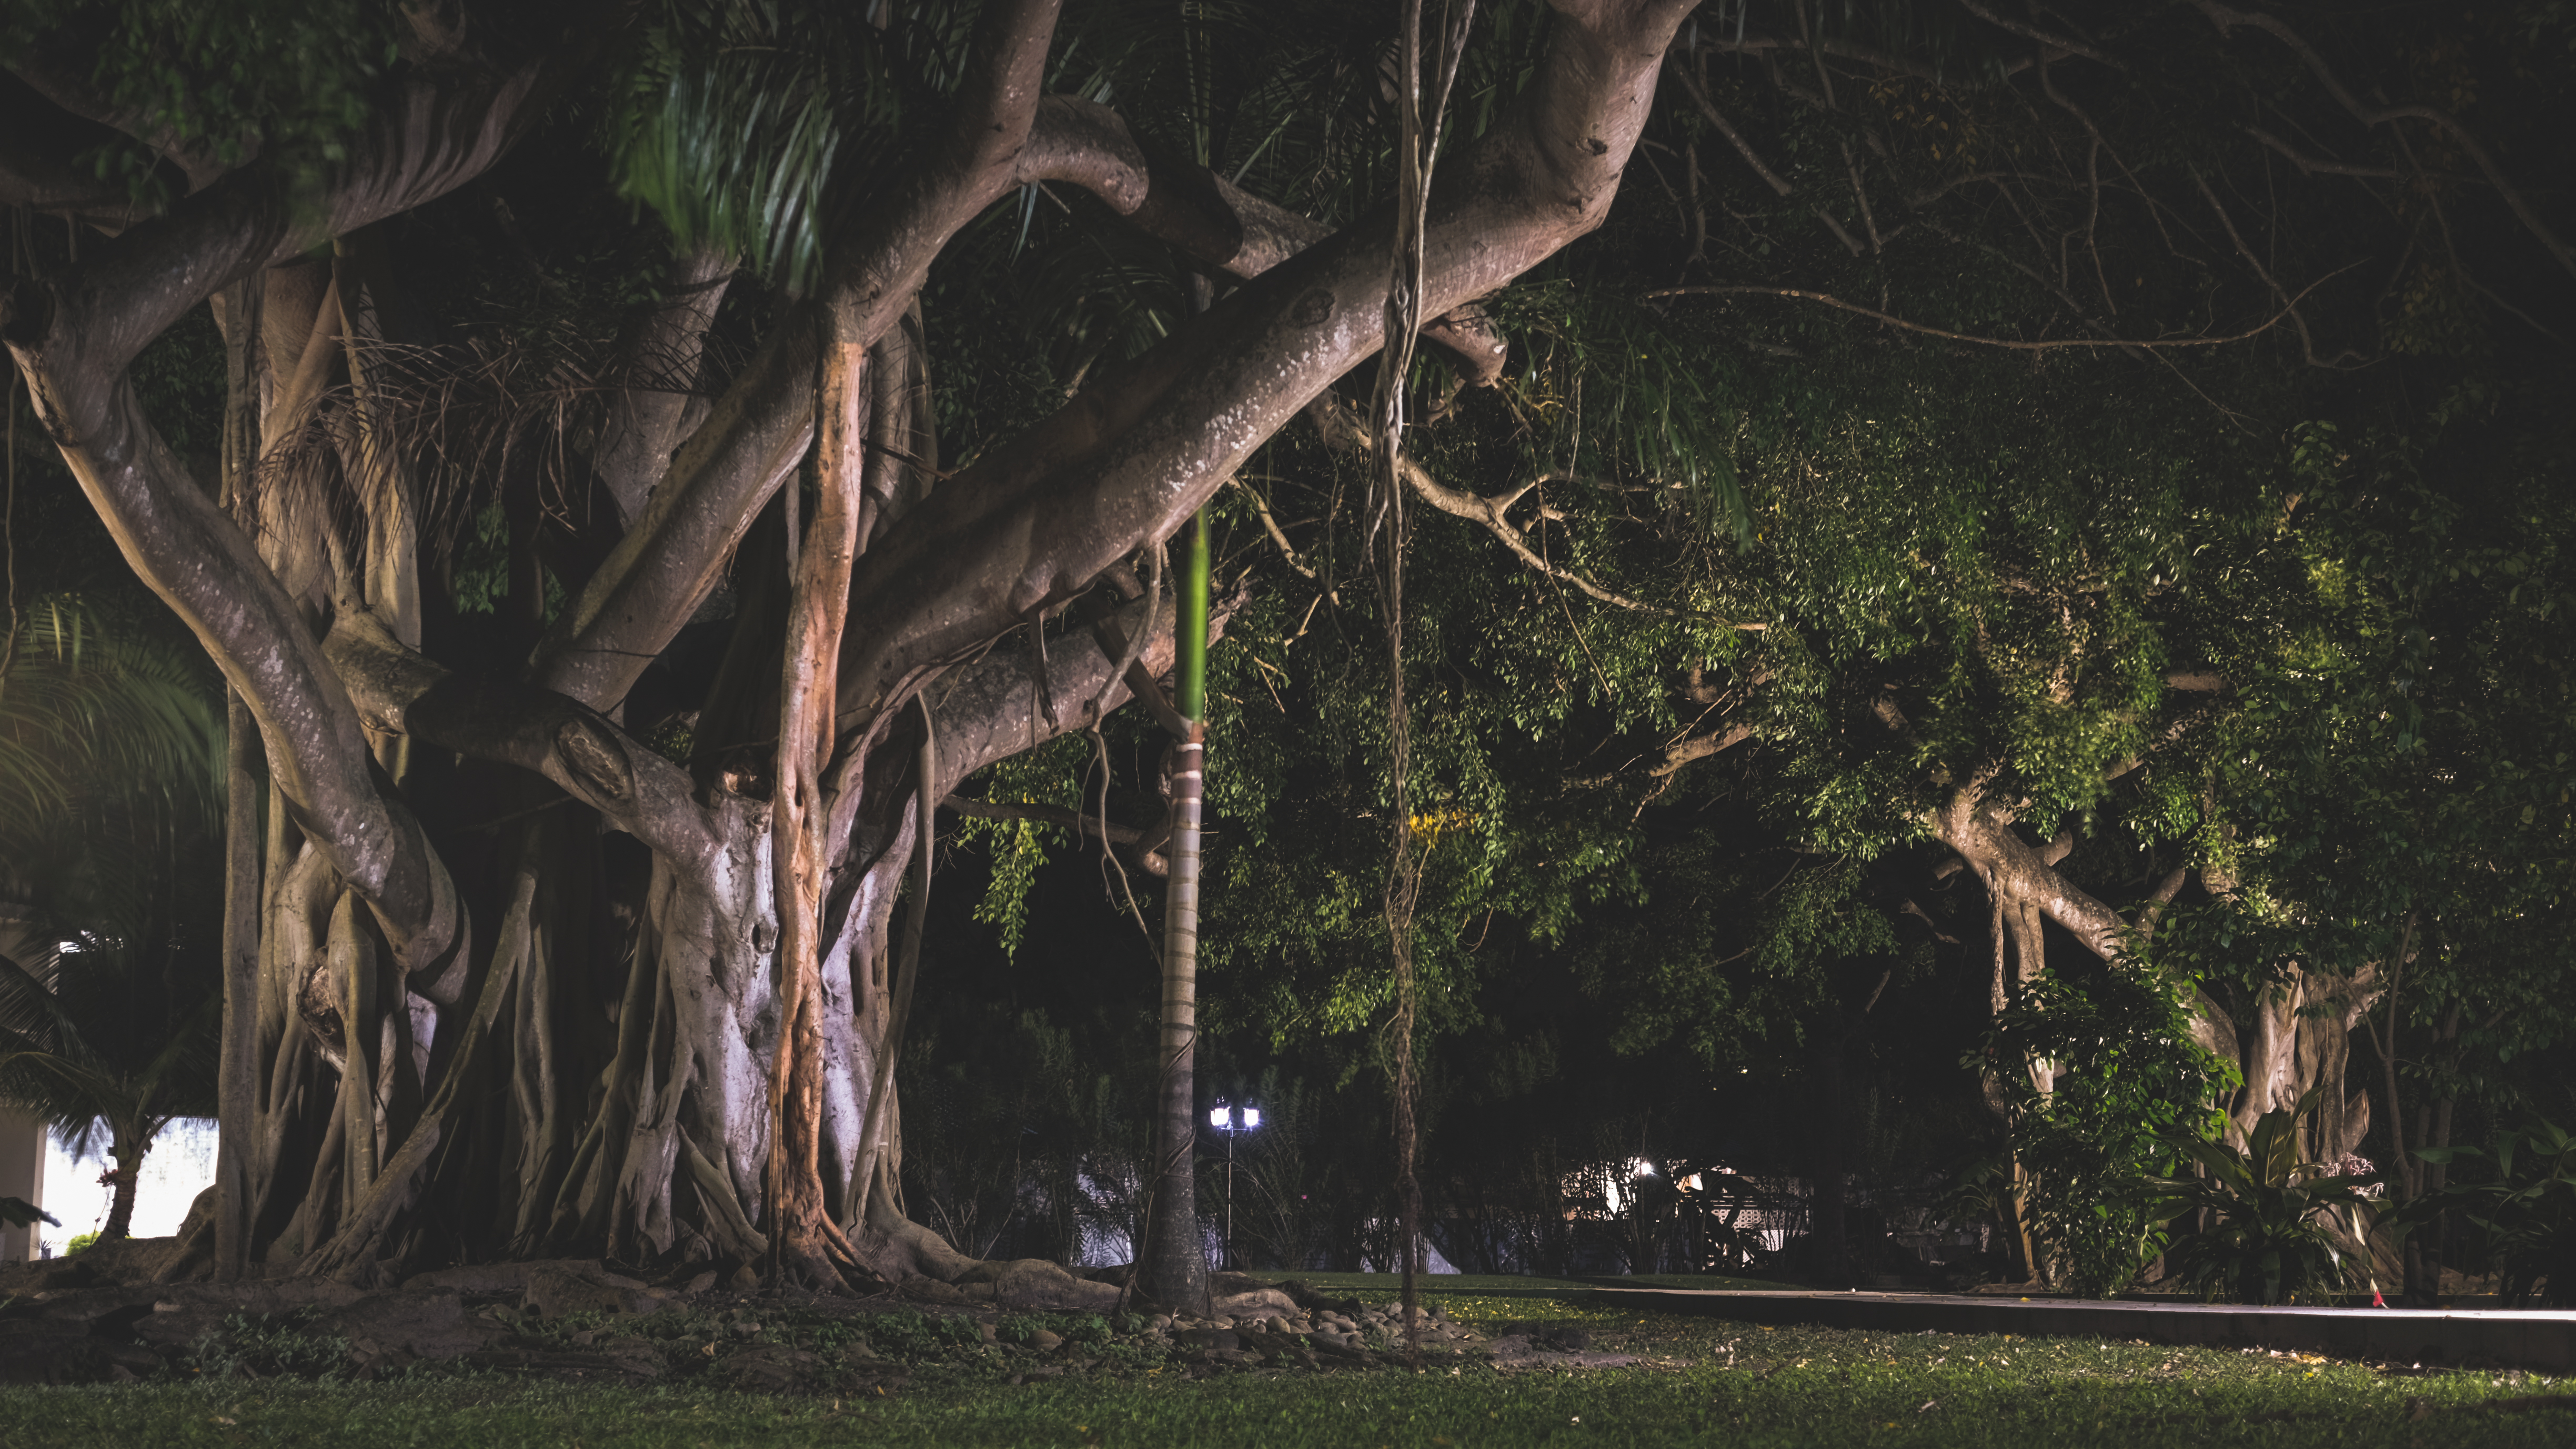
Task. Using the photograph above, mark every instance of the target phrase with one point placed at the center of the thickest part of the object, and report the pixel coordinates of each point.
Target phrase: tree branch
(664, 567)
(644, 417)
(1204, 216)
(1342, 430)
(2228, 20)
(402, 692)
(1035, 520)
(1877, 316)
(987, 710)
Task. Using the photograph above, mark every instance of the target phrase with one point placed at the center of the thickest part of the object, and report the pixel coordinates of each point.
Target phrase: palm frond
(92, 715)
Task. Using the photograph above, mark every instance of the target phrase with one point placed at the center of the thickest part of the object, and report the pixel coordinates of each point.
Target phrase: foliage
(2125, 1076)
(2268, 1241)
(732, 121)
(110, 753)
(2526, 1212)
(265, 1345)
(281, 80)
(97, 720)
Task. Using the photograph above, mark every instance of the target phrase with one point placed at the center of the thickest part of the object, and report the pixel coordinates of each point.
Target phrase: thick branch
(428, 139)
(988, 710)
(201, 563)
(644, 418)
(634, 789)
(2012, 869)
(888, 254)
(1033, 522)
(665, 566)
(1204, 216)
(668, 562)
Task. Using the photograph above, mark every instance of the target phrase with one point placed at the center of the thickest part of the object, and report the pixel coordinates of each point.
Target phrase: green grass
(1743, 1385)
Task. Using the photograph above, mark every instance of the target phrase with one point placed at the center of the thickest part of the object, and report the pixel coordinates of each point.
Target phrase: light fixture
(1221, 1118)
(1251, 1118)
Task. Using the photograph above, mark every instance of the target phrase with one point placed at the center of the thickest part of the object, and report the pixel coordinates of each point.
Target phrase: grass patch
(1741, 1384)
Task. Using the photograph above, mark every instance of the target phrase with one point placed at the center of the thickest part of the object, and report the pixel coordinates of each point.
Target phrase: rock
(1045, 1342)
(1208, 1339)
(556, 1290)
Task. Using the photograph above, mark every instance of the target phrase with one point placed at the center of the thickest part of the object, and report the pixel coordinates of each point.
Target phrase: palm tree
(111, 743)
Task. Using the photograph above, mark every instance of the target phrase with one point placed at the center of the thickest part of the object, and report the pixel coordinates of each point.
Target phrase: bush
(2527, 1214)
(2130, 1078)
(80, 1241)
(2268, 1243)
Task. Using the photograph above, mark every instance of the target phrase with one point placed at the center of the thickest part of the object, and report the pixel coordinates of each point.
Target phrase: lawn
(1706, 1381)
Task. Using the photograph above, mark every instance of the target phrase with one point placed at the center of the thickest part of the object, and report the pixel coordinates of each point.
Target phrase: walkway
(2496, 1338)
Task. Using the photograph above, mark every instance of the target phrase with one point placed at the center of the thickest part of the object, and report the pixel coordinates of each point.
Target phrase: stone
(1045, 1342)
(1210, 1339)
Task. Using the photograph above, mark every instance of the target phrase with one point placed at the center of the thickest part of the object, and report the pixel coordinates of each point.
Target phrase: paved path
(2481, 1337)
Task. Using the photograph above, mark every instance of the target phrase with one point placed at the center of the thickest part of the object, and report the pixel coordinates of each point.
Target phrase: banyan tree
(523, 955)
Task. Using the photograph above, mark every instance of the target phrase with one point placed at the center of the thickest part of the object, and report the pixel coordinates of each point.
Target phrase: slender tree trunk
(801, 1232)
(127, 1151)
(1172, 1269)
(238, 1073)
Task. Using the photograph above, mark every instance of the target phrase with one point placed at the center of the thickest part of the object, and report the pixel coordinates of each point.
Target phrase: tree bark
(1172, 1269)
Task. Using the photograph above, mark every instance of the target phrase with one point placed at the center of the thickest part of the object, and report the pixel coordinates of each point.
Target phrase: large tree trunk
(523, 985)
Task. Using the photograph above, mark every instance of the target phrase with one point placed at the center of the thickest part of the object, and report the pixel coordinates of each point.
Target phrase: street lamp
(1230, 1120)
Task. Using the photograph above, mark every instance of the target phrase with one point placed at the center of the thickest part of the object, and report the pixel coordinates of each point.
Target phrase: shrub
(2268, 1242)
(2526, 1214)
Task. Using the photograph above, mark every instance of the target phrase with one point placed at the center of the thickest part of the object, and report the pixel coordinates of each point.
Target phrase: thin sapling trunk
(1173, 1267)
